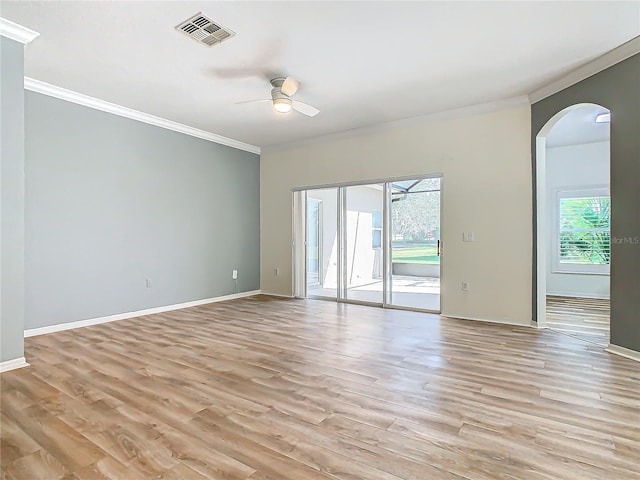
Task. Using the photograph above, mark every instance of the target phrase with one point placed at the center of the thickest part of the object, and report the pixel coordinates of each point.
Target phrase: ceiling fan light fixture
(282, 105)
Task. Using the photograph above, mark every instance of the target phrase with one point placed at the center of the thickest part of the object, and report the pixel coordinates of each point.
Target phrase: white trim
(623, 352)
(488, 320)
(367, 182)
(91, 102)
(298, 245)
(541, 240)
(13, 364)
(617, 55)
(406, 122)
(279, 295)
(559, 271)
(541, 225)
(578, 295)
(16, 32)
(539, 327)
(32, 332)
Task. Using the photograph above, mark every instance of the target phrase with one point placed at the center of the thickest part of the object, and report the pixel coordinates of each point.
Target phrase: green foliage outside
(585, 230)
(415, 221)
(417, 254)
(416, 216)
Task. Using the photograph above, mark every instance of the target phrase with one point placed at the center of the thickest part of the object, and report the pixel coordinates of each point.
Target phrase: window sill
(574, 272)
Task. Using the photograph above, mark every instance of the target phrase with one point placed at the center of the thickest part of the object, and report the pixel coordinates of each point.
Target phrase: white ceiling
(361, 63)
(578, 126)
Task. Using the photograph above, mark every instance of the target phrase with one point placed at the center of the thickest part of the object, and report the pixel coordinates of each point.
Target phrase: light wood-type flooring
(275, 389)
(583, 318)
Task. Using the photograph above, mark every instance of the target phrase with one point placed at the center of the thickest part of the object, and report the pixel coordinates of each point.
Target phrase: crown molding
(96, 103)
(16, 32)
(468, 111)
(617, 55)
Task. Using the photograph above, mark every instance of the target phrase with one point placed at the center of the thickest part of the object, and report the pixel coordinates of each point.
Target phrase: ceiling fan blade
(305, 109)
(254, 101)
(290, 86)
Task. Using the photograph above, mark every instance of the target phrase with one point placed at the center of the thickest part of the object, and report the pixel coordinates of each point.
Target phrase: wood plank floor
(276, 389)
(583, 318)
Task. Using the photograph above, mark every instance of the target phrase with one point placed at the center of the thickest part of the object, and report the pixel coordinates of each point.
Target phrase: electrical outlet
(467, 236)
(147, 282)
(234, 274)
(465, 286)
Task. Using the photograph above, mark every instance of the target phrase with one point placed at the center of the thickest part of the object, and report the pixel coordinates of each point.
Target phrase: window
(583, 241)
(376, 229)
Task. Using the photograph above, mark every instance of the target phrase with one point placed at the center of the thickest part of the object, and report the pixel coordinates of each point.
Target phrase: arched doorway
(573, 222)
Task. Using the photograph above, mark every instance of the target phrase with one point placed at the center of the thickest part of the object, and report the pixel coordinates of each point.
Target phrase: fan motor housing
(277, 82)
(276, 94)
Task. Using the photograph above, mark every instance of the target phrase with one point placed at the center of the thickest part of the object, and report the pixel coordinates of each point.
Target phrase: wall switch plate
(467, 236)
(234, 274)
(465, 286)
(277, 272)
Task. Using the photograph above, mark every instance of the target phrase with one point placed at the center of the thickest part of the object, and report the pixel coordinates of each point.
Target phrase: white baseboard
(488, 320)
(538, 325)
(623, 352)
(578, 295)
(32, 332)
(13, 364)
(277, 295)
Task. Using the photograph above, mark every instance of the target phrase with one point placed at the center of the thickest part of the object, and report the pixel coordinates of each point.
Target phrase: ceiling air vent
(204, 30)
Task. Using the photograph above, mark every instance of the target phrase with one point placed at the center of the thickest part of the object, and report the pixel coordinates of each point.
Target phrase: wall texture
(12, 200)
(573, 167)
(111, 202)
(485, 160)
(618, 89)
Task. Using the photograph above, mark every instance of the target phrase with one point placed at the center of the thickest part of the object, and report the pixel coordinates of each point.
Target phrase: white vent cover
(204, 30)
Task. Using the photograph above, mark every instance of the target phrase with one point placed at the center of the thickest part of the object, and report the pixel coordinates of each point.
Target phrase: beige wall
(486, 164)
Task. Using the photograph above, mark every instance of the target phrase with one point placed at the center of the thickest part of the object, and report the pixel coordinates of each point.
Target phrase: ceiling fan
(281, 92)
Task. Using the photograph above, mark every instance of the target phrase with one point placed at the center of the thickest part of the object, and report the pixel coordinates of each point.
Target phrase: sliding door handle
(438, 248)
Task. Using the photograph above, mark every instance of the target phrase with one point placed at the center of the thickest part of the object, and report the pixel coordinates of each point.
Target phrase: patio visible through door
(376, 243)
(415, 244)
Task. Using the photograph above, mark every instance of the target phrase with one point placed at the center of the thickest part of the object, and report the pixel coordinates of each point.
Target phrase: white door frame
(298, 245)
(388, 285)
(319, 239)
(299, 250)
(541, 213)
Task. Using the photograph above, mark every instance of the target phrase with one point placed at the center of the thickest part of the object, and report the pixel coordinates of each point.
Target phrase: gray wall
(111, 202)
(11, 199)
(618, 89)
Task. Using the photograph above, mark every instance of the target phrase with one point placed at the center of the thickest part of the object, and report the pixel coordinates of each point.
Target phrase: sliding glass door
(363, 253)
(376, 243)
(322, 242)
(415, 244)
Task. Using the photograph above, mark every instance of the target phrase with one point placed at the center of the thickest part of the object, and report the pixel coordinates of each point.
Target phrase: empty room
(316, 240)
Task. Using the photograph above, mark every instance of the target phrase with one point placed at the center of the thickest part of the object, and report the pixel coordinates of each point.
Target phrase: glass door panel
(362, 237)
(322, 242)
(415, 244)
(314, 252)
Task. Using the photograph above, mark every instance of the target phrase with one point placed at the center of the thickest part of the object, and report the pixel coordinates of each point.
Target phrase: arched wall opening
(573, 264)
(616, 88)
